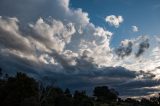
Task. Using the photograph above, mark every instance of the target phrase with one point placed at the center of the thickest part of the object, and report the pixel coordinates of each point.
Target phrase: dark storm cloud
(127, 47)
(138, 87)
(123, 80)
(142, 47)
(86, 81)
(12, 63)
(28, 10)
(124, 50)
(142, 85)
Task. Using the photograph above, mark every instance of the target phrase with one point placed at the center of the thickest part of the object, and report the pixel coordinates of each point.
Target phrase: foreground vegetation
(22, 90)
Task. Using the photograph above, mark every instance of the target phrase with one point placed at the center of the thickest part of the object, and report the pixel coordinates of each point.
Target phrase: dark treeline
(22, 90)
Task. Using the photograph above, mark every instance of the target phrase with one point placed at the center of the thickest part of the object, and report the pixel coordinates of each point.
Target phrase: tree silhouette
(18, 89)
(68, 93)
(81, 99)
(145, 102)
(1, 73)
(104, 94)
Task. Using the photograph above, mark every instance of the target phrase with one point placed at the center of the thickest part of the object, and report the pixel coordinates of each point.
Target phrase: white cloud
(53, 33)
(10, 37)
(135, 29)
(114, 20)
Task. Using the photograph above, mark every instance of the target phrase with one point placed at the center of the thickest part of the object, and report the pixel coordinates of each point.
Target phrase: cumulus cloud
(134, 46)
(55, 40)
(114, 20)
(135, 29)
(125, 48)
(54, 32)
(142, 47)
(10, 36)
(63, 44)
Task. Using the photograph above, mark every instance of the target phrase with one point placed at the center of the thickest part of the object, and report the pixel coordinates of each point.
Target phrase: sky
(84, 43)
(144, 14)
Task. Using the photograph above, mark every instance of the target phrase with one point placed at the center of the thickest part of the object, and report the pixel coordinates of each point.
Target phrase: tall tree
(18, 89)
(104, 94)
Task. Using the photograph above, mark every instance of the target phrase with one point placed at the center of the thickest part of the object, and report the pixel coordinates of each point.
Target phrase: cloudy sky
(84, 43)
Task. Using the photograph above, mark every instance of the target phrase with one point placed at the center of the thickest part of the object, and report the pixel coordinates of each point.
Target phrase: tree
(154, 101)
(51, 96)
(1, 73)
(18, 89)
(67, 93)
(81, 99)
(104, 94)
(145, 102)
(132, 102)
